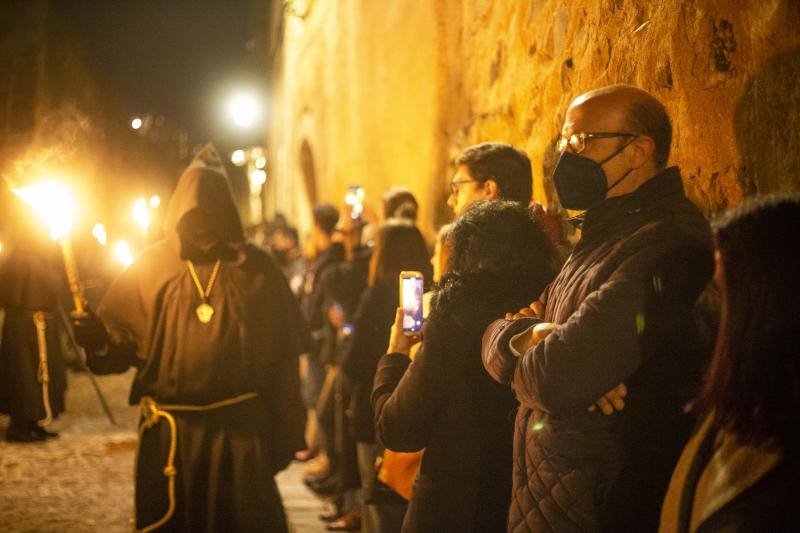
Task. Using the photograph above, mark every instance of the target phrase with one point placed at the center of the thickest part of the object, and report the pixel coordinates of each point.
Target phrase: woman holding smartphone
(444, 402)
(399, 246)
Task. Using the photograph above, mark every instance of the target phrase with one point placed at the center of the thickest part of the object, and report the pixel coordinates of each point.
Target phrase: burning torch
(56, 206)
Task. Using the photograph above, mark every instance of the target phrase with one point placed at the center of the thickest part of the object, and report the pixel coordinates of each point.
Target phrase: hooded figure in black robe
(198, 376)
(32, 375)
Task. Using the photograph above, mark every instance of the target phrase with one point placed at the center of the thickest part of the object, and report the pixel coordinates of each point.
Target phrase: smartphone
(411, 301)
(354, 197)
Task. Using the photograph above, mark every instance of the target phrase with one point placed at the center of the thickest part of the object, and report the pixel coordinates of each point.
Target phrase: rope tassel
(43, 374)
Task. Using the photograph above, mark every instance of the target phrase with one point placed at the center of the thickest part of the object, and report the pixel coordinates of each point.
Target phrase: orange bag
(398, 470)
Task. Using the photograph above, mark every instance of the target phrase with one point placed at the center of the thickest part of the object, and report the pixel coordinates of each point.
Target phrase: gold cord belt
(152, 413)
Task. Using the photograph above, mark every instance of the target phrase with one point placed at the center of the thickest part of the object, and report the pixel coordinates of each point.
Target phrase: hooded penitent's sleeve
(281, 387)
(125, 319)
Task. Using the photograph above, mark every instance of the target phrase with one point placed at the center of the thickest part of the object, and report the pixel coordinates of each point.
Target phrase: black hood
(204, 188)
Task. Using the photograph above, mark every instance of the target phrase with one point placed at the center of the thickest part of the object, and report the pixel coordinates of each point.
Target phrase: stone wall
(389, 92)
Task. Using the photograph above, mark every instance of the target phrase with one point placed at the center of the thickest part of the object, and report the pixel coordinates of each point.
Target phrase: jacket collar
(713, 469)
(652, 194)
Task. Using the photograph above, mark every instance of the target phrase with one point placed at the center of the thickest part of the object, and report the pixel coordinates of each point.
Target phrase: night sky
(177, 58)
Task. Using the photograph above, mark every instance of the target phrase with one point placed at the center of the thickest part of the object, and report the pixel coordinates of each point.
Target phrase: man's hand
(399, 342)
(611, 401)
(542, 330)
(531, 337)
(535, 310)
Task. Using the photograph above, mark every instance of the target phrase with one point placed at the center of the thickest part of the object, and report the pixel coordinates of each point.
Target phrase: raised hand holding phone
(354, 200)
(399, 342)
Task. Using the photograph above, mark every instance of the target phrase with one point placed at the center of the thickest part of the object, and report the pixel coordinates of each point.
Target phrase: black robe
(225, 457)
(31, 274)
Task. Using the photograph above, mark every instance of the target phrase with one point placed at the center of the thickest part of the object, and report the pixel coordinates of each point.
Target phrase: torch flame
(141, 214)
(53, 203)
(122, 251)
(99, 232)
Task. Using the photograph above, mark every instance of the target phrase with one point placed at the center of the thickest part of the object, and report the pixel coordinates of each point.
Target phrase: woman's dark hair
(399, 246)
(499, 236)
(753, 382)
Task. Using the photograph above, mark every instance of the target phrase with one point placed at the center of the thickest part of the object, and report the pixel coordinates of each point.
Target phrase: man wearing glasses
(605, 362)
(490, 171)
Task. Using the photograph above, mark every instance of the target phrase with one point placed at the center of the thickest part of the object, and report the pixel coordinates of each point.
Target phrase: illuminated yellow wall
(390, 91)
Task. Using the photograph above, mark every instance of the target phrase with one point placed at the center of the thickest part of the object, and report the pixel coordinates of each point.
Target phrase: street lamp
(136, 123)
(244, 109)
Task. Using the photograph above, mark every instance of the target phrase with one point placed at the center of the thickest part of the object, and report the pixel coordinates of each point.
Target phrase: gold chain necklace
(204, 311)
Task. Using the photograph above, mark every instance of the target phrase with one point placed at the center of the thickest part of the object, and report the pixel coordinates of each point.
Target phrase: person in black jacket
(621, 322)
(443, 401)
(322, 254)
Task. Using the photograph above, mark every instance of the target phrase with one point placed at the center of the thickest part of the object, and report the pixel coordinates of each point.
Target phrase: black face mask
(581, 182)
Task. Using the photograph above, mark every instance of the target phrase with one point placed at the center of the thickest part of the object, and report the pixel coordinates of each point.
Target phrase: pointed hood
(204, 192)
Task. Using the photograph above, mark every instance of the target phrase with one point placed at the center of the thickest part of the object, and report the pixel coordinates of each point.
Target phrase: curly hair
(500, 259)
(499, 236)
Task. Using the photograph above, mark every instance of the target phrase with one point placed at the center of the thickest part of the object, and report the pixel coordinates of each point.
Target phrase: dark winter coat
(720, 484)
(371, 326)
(445, 403)
(226, 457)
(346, 281)
(623, 302)
(315, 300)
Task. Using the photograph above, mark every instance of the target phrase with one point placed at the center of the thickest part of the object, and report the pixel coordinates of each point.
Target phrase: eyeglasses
(455, 184)
(577, 141)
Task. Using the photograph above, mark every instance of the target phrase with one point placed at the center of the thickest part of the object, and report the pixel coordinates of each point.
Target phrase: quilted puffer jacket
(623, 302)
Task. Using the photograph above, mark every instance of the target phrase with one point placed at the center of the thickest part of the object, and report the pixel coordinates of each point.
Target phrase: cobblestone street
(83, 480)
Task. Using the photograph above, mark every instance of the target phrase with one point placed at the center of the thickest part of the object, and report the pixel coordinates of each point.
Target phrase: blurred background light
(257, 178)
(123, 253)
(243, 109)
(99, 232)
(141, 214)
(238, 157)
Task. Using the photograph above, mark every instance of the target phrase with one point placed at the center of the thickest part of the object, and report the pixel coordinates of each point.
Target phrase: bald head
(632, 110)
